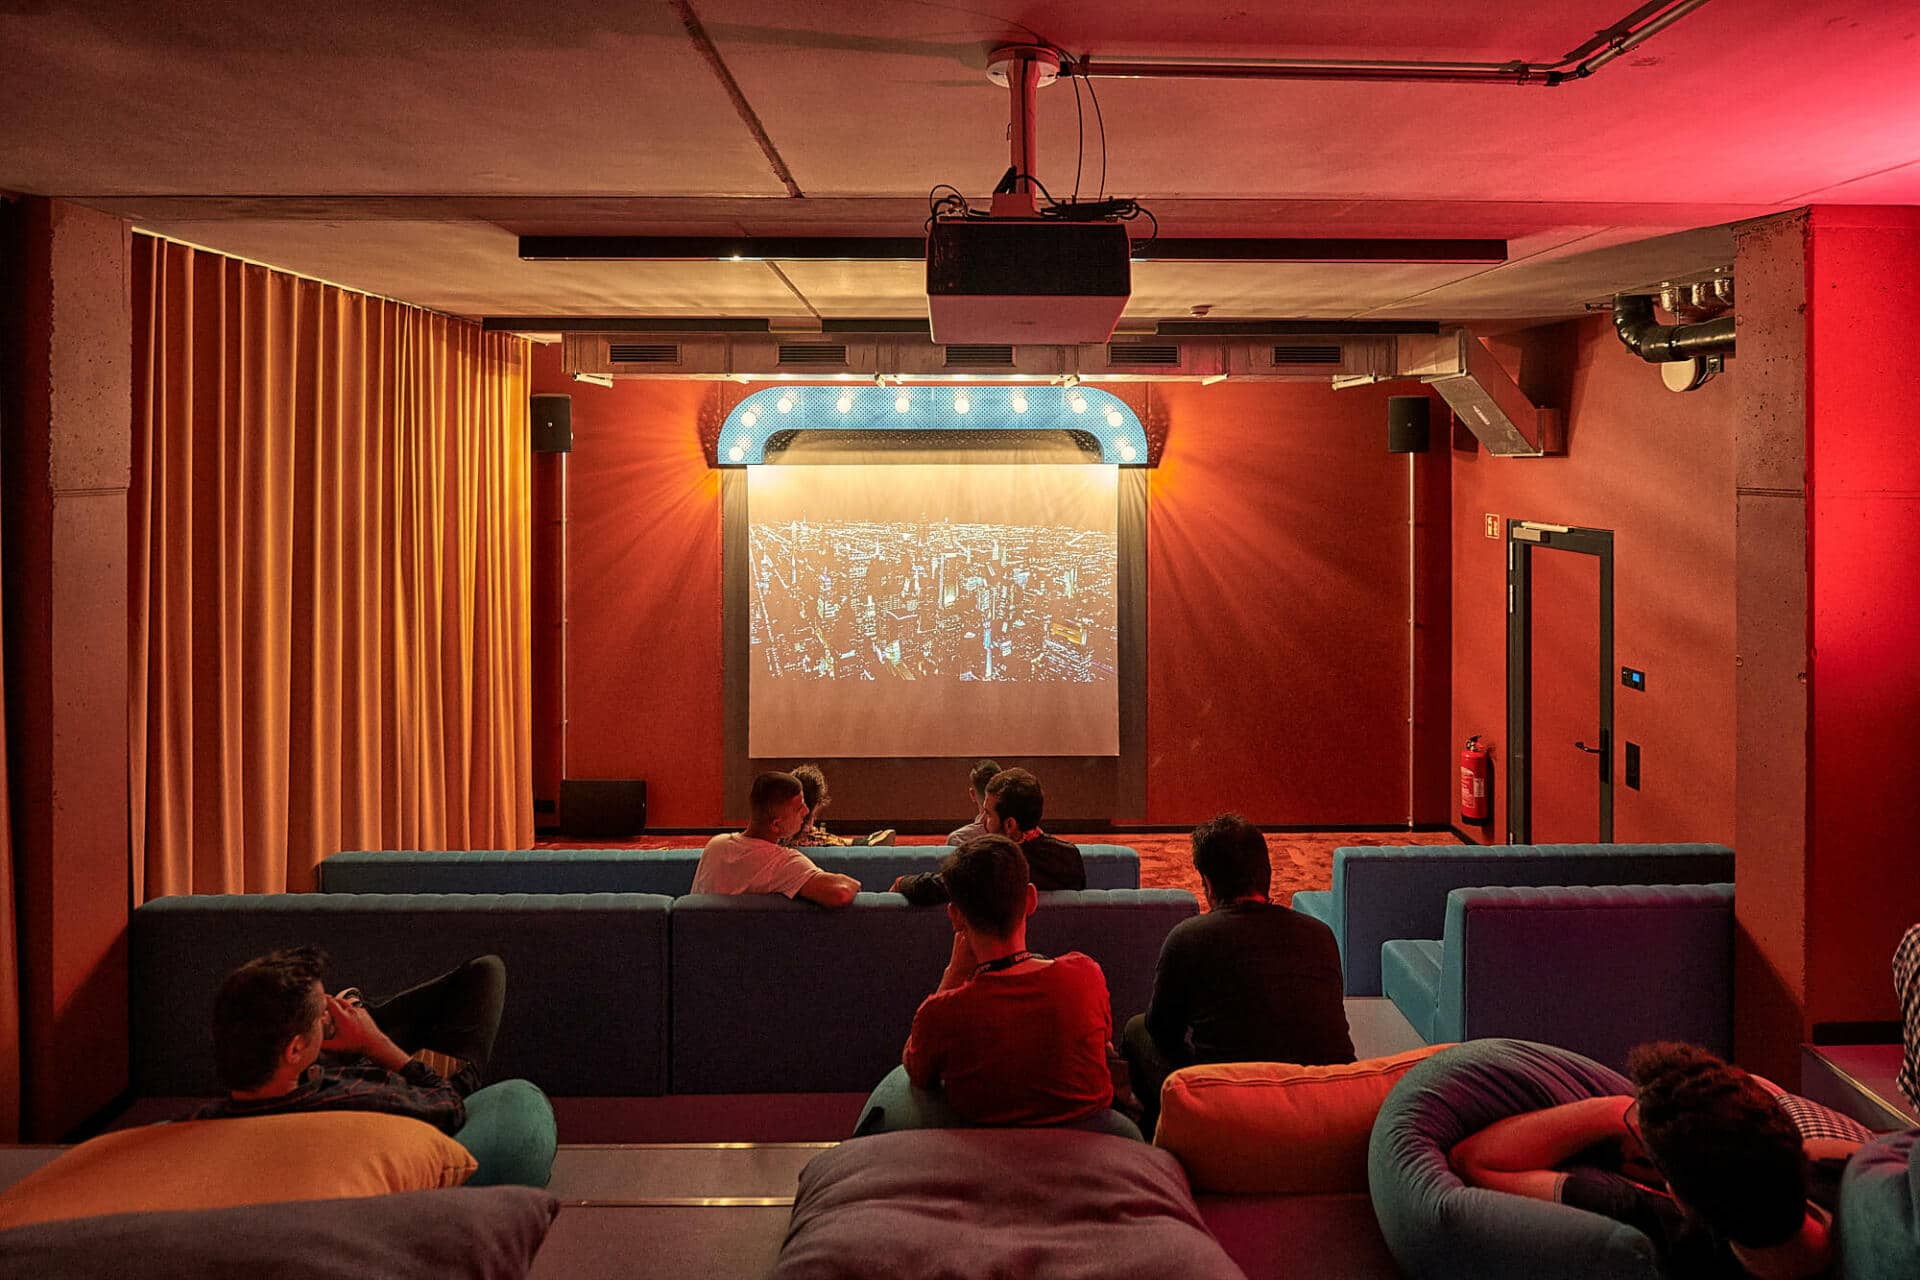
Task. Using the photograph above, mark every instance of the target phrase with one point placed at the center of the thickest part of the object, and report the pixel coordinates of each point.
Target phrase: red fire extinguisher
(1474, 771)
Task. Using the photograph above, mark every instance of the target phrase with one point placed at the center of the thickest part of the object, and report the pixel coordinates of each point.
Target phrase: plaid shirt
(1906, 983)
(416, 1090)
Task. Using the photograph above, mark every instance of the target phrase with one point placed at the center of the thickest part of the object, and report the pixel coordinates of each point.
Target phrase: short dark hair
(986, 879)
(1017, 795)
(813, 787)
(1726, 1149)
(1230, 853)
(263, 1005)
(980, 775)
(771, 790)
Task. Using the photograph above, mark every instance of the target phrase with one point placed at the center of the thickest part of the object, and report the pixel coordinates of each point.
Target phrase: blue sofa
(668, 871)
(771, 996)
(1385, 892)
(1596, 969)
(586, 1010)
(765, 995)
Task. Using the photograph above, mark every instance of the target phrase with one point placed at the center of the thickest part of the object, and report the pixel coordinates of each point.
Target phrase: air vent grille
(813, 353)
(643, 353)
(979, 355)
(1165, 354)
(1306, 355)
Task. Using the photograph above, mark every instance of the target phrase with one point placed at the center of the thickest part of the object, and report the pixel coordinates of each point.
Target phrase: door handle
(1592, 751)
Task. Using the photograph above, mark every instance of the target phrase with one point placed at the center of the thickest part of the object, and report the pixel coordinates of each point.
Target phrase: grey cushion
(947, 1204)
(1410, 977)
(486, 1233)
(1437, 1227)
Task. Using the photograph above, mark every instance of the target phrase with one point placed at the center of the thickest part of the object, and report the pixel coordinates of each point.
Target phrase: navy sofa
(772, 996)
(1596, 969)
(625, 994)
(586, 1009)
(668, 871)
(1384, 892)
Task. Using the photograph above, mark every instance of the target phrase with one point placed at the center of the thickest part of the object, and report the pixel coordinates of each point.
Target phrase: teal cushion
(1410, 977)
(895, 1105)
(511, 1132)
(1879, 1218)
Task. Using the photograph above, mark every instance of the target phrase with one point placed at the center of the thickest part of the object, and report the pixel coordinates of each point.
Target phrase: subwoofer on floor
(603, 808)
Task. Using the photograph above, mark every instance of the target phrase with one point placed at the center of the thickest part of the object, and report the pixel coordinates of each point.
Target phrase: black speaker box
(552, 423)
(603, 808)
(1407, 423)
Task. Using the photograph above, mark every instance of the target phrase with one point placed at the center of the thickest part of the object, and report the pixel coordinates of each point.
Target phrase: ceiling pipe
(1605, 46)
(1663, 343)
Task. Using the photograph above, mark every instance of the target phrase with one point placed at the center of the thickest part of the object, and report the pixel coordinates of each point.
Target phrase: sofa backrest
(772, 996)
(1387, 891)
(586, 1004)
(667, 871)
(1596, 969)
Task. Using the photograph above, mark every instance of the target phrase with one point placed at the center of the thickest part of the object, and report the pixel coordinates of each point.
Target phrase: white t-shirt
(737, 863)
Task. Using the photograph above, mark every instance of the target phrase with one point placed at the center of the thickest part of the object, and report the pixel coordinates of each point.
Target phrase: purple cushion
(956, 1204)
(485, 1233)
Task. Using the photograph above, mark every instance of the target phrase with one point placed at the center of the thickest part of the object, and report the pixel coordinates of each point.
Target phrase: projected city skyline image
(932, 600)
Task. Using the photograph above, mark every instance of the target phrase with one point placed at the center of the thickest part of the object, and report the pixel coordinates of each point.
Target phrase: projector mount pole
(1025, 70)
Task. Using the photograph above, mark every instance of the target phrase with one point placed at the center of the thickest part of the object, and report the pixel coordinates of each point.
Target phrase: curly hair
(813, 787)
(1726, 1149)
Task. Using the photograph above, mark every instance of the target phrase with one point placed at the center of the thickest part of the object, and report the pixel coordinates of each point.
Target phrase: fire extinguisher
(1474, 771)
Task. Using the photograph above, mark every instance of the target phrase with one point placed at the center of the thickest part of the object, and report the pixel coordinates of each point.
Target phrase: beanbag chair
(1274, 1128)
(1439, 1228)
(1878, 1225)
(490, 1234)
(511, 1132)
(217, 1164)
(895, 1105)
(992, 1203)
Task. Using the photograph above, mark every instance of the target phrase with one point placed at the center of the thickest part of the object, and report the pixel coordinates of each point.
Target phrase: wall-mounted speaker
(552, 423)
(1407, 423)
(603, 808)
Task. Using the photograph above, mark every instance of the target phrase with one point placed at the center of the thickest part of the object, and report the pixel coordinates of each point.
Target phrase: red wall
(1277, 602)
(1863, 740)
(1657, 469)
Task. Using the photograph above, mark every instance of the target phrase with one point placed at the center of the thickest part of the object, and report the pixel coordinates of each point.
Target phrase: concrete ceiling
(401, 148)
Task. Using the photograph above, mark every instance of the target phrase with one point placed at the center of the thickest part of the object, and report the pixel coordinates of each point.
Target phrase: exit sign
(1493, 525)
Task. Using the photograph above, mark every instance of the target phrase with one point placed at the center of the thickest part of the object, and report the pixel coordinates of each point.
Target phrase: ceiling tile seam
(1475, 275)
(792, 288)
(711, 53)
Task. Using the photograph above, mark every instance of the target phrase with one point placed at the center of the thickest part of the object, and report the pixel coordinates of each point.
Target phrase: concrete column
(68, 456)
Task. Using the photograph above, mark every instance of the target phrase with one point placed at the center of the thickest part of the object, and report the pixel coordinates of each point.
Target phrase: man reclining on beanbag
(273, 1020)
(1727, 1175)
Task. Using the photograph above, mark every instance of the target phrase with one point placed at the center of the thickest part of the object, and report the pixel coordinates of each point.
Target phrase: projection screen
(951, 610)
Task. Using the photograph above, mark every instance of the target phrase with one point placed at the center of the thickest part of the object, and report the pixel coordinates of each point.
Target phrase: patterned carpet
(1301, 860)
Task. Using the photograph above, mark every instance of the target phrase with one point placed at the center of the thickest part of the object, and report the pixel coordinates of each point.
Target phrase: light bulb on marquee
(961, 404)
(1019, 402)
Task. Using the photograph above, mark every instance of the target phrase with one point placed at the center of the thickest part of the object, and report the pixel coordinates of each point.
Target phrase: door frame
(1524, 537)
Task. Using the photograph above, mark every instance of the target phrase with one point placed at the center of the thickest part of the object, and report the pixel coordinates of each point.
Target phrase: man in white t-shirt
(754, 860)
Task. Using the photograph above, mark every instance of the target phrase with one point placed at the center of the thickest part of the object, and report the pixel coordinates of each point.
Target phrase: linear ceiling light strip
(914, 249)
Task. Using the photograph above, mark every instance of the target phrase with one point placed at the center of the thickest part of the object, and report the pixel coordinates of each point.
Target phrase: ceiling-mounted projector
(1026, 280)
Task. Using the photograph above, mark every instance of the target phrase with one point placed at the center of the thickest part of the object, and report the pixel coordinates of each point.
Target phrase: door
(1559, 686)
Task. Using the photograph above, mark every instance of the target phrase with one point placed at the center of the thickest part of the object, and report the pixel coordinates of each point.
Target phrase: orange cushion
(1276, 1128)
(215, 1164)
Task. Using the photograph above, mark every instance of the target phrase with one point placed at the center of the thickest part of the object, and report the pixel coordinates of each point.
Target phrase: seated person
(273, 1020)
(1011, 1037)
(1011, 807)
(756, 860)
(813, 785)
(1906, 984)
(977, 779)
(1249, 981)
(1704, 1159)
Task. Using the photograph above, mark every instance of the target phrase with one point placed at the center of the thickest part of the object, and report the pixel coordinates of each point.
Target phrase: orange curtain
(329, 607)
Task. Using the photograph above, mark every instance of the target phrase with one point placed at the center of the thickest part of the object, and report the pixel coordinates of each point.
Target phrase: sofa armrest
(1593, 968)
